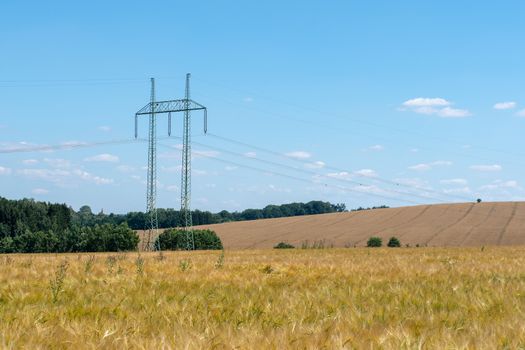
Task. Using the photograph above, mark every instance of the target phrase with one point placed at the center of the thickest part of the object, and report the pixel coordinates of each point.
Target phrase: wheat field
(438, 225)
(386, 298)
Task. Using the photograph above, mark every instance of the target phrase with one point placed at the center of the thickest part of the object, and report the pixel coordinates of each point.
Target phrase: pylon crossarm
(172, 106)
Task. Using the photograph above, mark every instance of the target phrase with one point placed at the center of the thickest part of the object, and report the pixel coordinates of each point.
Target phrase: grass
(313, 299)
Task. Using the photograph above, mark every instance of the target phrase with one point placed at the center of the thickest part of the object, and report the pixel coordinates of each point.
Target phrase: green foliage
(103, 238)
(177, 240)
(283, 245)
(374, 242)
(168, 218)
(56, 284)
(394, 242)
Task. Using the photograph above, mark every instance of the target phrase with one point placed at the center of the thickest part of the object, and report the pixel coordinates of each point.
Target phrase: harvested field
(465, 224)
(384, 298)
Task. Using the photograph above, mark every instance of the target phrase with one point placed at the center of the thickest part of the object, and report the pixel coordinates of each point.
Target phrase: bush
(394, 242)
(374, 242)
(177, 240)
(283, 245)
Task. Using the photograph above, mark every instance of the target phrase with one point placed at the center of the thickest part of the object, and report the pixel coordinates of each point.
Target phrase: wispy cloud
(60, 176)
(298, 155)
(376, 148)
(29, 161)
(429, 166)
(505, 105)
(4, 170)
(486, 167)
(426, 102)
(84, 175)
(315, 165)
(454, 182)
(104, 128)
(40, 191)
(499, 184)
(172, 188)
(434, 106)
(521, 113)
(250, 154)
(104, 157)
(459, 190)
(57, 162)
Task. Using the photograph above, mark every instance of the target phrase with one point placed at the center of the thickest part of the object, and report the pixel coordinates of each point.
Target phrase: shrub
(374, 242)
(283, 245)
(394, 242)
(177, 240)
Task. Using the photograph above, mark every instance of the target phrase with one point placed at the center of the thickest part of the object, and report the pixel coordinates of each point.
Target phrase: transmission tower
(185, 188)
(153, 109)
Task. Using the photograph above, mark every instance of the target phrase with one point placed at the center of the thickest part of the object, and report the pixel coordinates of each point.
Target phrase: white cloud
(521, 113)
(339, 175)
(454, 182)
(73, 143)
(57, 162)
(426, 102)
(104, 128)
(250, 154)
(345, 175)
(315, 165)
(29, 161)
(84, 175)
(366, 173)
(40, 191)
(460, 190)
(434, 106)
(486, 168)
(4, 170)
(414, 182)
(105, 157)
(298, 155)
(376, 148)
(54, 175)
(205, 154)
(126, 168)
(505, 105)
(172, 169)
(499, 184)
(172, 188)
(448, 112)
(230, 168)
(429, 166)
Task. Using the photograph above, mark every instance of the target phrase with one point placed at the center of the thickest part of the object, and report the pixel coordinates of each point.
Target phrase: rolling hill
(464, 224)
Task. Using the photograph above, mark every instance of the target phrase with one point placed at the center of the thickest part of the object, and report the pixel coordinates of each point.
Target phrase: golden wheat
(307, 299)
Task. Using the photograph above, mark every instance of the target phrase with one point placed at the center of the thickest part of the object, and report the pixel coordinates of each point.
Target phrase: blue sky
(361, 102)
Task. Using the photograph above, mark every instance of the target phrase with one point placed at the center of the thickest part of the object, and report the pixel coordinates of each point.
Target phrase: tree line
(28, 226)
(168, 218)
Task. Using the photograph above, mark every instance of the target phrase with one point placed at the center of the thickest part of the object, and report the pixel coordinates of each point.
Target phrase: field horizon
(441, 225)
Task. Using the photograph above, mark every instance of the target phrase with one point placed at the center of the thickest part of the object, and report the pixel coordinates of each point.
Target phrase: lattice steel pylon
(153, 109)
(185, 188)
(151, 195)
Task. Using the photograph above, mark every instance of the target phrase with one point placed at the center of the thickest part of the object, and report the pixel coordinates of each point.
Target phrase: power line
(272, 172)
(312, 173)
(67, 146)
(375, 178)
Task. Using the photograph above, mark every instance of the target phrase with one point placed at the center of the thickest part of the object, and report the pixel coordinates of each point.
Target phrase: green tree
(394, 242)
(374, 242)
